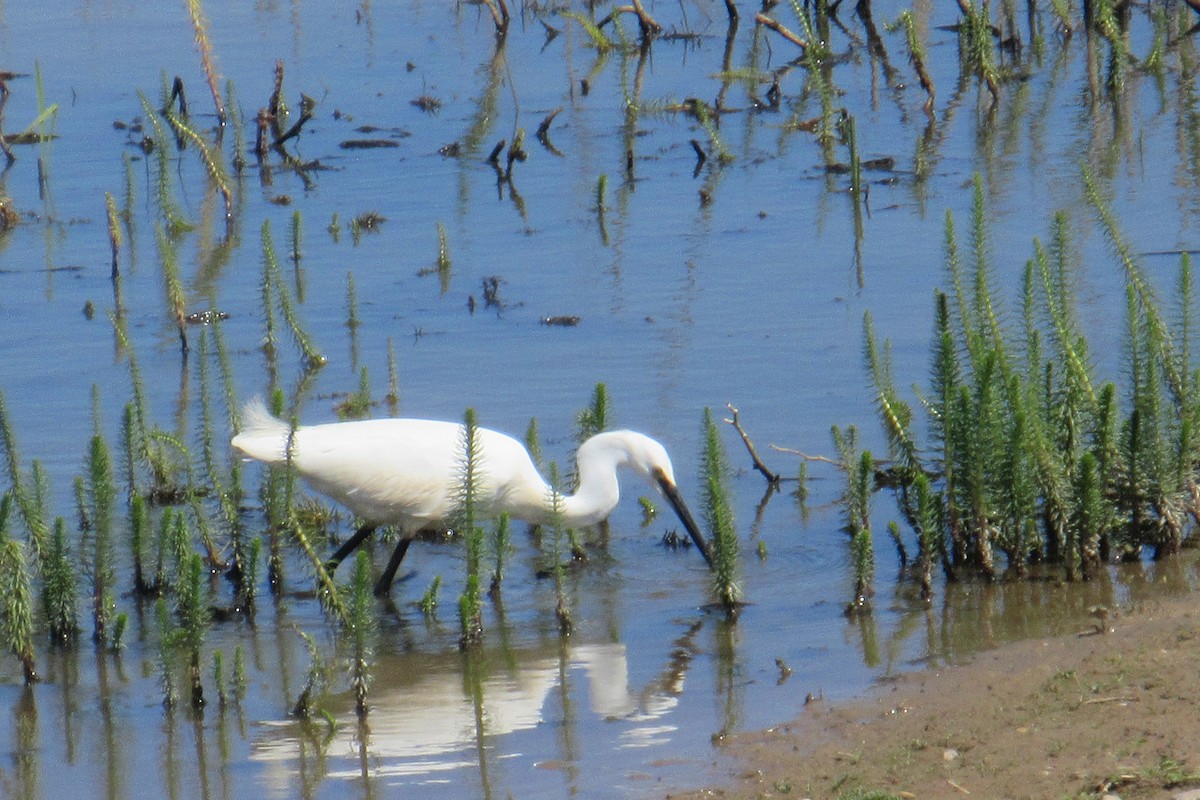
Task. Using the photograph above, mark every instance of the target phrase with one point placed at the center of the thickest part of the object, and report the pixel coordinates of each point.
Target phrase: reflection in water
(441, 715)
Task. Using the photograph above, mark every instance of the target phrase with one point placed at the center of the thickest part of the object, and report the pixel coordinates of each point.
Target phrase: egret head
(649, 458)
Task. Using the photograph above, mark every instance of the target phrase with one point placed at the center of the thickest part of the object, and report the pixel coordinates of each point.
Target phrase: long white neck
(597, 462)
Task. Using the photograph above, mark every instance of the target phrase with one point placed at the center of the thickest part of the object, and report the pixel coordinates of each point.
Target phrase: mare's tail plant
(273, 286)
(362, 628)
(1032, 457)
(470, 608)
(561, 610)
(16, 597)
(718, 513)
(194, 621)
(859, 468)
(102, 494)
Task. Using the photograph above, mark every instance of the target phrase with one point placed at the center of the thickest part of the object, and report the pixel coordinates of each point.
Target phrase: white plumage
(408, 472)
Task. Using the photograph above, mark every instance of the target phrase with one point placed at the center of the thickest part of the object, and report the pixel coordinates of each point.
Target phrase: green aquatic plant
(207, 63)
(101, 497)
(238, 123)
(859, 470)
(1030, 459)
(501, 545)
(176, 298)
(167, 636)
(393, 395)
(470, 607)
(168, 206)
(352, 320)
(361, 626)
(16, 597)
(59, 589)
(596, 417)
(596, 37)
(227, 498)
(975, 46)
(429, 601)
(218, 679)
(718, 514)
(533, 442)
(296, 252)
(30, 500)
(210, 156)
(274, 288)
(316, 678)
(561, 610)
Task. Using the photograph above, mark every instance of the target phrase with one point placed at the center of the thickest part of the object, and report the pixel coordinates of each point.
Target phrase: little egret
(408, 472)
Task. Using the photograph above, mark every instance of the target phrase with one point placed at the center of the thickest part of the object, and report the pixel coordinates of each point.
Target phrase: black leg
(389, 573)
(349, 546)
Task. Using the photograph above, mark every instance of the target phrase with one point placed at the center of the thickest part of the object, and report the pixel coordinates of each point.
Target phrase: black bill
(671, 492)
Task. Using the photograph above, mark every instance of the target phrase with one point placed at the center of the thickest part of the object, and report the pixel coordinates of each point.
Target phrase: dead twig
(772, 477)
(307, 106)
(8, 153)
(499, 11)
(767, 22)
(790, 451)
(646, 23)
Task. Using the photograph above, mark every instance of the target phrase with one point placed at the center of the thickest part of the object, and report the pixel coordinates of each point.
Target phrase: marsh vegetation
(982, 212)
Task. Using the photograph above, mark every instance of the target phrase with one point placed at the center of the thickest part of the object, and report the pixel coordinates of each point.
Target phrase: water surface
(743, 282)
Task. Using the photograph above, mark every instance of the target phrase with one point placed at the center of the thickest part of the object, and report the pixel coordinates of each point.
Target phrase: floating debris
(561, 321)
(206, 317)
(369, 220)
(427, 103)
(368, 144)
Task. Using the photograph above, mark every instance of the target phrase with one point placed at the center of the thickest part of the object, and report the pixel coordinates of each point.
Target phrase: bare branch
(772, 477)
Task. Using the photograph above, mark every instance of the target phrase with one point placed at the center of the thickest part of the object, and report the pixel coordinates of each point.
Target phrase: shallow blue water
(754, 297)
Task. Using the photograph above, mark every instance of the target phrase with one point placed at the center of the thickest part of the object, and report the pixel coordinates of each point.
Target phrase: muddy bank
(1111, 709)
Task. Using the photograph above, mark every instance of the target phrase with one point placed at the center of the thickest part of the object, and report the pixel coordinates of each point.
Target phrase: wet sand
(1111, 709)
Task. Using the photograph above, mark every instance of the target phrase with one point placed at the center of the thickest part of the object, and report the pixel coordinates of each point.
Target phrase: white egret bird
(407, 472)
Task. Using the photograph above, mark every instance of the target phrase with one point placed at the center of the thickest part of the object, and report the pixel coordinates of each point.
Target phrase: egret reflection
(424, 721)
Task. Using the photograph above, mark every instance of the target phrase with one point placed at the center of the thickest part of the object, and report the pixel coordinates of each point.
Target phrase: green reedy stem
(218, 678)
(469, 605)
(32, 511)
(393, 397)
(561, 610)
(239, 127)
(312, 356)
(167, 637)
(200, 25)
(361, 626)
(501, 544)
(533, 442)
(194, 620)
(176, 299)
(167, 204)
(210, 156)
(314, 680)
(102, 502)
(139, 529)
(230, 516)
(718, 513)
(595, 418)
(862, 554)
(59, 592)
(16, 599)
(295, 244)
(443, 264)
(429, 600)
(239, 681)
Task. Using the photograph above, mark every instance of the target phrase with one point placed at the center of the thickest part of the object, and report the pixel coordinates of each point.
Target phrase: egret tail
(263, 437)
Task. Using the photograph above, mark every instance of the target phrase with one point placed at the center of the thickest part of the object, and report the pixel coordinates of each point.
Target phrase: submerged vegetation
(1032, 456)
(1017, 455)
